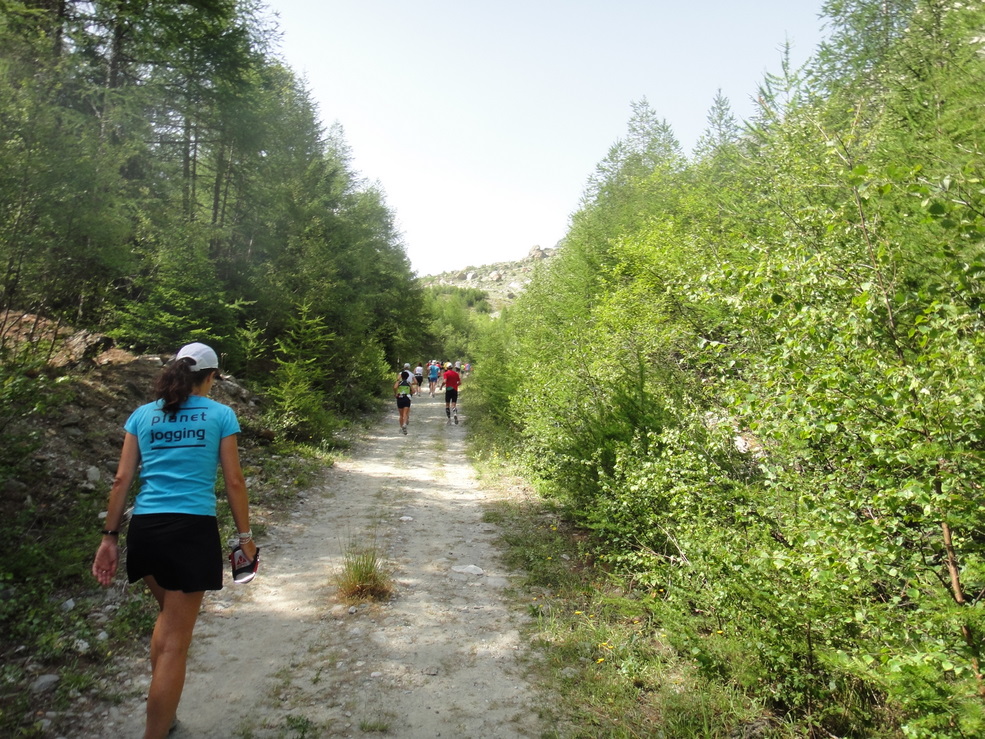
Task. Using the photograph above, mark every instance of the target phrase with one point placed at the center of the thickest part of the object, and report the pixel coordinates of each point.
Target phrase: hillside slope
(503, 281)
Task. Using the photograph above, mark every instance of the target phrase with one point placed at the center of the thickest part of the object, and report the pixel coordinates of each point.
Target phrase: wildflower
(577, 613)
(600, 660)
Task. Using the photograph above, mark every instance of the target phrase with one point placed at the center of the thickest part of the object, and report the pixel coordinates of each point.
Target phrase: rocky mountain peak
(503, 281)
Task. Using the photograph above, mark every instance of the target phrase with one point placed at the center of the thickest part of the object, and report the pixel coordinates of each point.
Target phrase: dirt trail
(283, 657)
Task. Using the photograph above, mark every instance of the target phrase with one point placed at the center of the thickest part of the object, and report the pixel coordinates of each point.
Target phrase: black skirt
(181, 551)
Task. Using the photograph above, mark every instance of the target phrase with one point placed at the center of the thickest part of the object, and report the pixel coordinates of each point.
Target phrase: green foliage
(163, 178)
(756, 377)
(492, 382)
(458, 316)
(19, 394)
(615, 659)
(177, 302)
(298, 401)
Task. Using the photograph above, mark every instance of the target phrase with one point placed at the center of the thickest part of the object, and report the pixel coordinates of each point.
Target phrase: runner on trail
(176, 442)
(434, 369)
(452, 381)
(419, 376)
(403, 388)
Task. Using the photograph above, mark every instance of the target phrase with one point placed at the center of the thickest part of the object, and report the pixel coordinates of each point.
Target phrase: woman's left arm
(239, 503)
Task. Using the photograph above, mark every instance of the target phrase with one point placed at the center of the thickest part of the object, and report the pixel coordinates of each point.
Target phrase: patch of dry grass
(364, 574)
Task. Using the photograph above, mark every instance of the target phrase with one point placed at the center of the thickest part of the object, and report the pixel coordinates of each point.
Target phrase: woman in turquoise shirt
(176, 442)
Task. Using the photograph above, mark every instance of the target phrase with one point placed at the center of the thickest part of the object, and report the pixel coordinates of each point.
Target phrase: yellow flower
(600, 660)
(577, 613)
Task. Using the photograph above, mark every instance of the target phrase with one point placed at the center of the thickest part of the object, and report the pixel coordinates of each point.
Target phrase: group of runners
(410, 382)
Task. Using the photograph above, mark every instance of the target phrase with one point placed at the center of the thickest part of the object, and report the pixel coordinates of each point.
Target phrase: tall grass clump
(364, 574)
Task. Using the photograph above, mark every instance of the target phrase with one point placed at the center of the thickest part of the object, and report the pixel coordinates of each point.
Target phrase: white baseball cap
(203, 356)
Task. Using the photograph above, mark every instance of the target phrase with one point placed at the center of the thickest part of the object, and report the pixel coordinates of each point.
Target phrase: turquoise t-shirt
(179, 455)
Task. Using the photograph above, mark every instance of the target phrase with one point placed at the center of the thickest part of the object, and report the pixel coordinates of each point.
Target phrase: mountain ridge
(502, 281)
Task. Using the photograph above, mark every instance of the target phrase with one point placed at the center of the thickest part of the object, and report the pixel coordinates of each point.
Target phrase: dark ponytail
(176, 382)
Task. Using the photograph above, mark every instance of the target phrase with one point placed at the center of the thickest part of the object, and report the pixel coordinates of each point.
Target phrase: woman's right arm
(108, 555)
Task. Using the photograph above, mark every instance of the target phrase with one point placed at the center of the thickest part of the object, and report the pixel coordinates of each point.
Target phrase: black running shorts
(451, 394)
(181, 551)
(403, 401)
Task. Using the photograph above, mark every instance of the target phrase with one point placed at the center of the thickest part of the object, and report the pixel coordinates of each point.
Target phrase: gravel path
(283, 657)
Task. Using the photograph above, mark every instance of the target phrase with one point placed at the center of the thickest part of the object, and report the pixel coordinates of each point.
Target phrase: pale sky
(483, 121)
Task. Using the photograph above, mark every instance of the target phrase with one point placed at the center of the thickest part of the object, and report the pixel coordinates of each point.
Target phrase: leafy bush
(810, 291)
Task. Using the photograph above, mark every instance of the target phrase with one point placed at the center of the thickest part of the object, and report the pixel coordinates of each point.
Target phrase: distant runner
(419, 376)
(452, 381)
(433, 371)
(403, 388)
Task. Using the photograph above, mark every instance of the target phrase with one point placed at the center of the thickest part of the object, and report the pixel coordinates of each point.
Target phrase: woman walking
(173, 544)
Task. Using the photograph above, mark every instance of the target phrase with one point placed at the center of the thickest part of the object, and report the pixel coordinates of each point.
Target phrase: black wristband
(107, 532)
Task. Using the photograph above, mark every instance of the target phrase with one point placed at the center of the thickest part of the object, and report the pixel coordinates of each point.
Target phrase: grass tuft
(364, 574)
(374, 727)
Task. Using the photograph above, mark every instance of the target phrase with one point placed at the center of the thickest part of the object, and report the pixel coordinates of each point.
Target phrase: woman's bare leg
(168, 655)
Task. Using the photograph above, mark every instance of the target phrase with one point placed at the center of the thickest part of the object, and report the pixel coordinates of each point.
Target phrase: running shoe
(404, 429)
(244, 569)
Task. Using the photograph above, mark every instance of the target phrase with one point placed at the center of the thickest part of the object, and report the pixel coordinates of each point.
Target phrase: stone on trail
(468, 570)
(44, 683)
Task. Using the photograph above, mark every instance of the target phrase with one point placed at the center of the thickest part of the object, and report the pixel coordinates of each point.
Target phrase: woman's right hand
(249, 548)
(106, 561)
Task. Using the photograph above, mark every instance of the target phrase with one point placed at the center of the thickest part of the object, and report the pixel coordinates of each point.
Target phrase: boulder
(86, 345)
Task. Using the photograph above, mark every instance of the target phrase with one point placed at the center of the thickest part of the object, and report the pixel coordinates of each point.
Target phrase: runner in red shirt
(452, 381)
